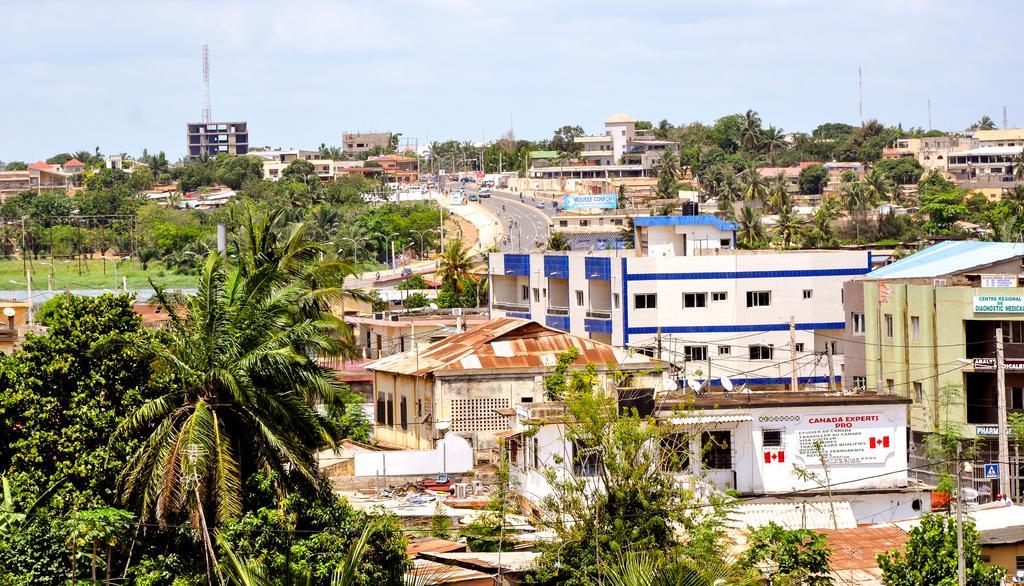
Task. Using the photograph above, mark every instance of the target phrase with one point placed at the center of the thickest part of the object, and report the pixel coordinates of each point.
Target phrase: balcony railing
(558, 310)
(511, 305)
(599, 313)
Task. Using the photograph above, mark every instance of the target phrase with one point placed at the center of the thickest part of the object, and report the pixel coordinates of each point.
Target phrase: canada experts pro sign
(865, 438)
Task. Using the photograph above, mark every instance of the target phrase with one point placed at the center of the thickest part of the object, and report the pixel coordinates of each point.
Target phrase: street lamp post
(355, 246)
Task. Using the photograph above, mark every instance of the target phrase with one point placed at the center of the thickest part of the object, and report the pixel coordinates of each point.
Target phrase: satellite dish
(694, 384)
(743, 389)
(671, 384)
(727, 384)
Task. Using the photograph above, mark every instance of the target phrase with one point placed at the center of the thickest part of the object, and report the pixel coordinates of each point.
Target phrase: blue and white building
(687, 292)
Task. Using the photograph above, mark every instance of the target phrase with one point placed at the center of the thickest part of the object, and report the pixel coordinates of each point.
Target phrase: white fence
(453, 455)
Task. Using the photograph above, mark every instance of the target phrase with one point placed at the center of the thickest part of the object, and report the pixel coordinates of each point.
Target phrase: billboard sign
(846, 439)
(604, 201)
(998, 304)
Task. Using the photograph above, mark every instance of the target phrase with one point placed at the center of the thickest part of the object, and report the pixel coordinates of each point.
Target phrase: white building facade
(756, 444)
(687, 294)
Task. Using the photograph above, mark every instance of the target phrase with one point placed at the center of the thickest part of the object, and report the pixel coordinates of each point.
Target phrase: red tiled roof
(74, 163)
(855, 549)
(42, 166)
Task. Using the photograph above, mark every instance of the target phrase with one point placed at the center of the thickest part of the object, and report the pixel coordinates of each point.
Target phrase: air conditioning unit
(460, 490)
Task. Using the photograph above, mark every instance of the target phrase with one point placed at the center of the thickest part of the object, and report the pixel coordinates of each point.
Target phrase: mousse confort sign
(866, 438)
(605, 201)
(998, 304)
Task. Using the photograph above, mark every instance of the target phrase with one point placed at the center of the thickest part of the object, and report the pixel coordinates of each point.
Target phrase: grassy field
(89, 274)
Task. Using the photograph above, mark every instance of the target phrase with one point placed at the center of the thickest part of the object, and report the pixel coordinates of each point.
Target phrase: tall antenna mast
(860, 88)
(1005, 123)
(929, 113)
(207, 109)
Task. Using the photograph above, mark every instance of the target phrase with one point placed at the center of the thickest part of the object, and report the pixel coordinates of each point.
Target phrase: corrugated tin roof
(701, 220)
(948, 257)
(793, 515)
(855, 549)
(505, 343)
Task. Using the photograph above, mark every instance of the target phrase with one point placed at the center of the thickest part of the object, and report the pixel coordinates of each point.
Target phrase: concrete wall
(453, 454)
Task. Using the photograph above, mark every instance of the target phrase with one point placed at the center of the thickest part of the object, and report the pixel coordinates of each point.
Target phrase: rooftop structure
(363, 142)
(214, 138)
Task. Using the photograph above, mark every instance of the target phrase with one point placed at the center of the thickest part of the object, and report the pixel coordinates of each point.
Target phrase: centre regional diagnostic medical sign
(605, 201)
(846, 439)
(998, 304)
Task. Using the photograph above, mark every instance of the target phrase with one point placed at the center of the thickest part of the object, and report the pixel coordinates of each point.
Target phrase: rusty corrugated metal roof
(505, 343)
(855, 549)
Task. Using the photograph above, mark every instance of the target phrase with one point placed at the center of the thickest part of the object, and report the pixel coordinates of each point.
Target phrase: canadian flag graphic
(878, 442)
(774, 456)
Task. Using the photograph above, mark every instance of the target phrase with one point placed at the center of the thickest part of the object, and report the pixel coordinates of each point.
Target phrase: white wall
(453, 454)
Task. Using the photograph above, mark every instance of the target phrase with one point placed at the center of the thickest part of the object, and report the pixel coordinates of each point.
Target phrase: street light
(355, 245)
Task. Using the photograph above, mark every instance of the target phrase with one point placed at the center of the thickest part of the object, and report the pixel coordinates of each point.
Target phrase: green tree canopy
(930, 557)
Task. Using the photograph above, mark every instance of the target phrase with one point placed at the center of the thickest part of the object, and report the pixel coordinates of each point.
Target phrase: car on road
(487, 183)
(540, 204)
(485, 192)
(474, 197)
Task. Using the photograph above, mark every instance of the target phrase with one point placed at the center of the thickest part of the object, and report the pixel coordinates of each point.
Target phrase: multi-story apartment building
(355, 143)
(931, 152)
(214, 138)
(687, 293)
(39, 177)
(622, 151)
(924, 328)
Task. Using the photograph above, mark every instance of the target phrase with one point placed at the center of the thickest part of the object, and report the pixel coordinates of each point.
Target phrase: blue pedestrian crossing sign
(991, 471)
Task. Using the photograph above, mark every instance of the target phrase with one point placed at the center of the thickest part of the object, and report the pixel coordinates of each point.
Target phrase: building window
(536, 453)
(759, 298)
(761, 352)
(1020, 563)
(695, 299)
(695, 352)
(579, 298)
(889, 385)
(808, 293)
(536, 294)
(524, 292)
(918, 392)
(771, 438)
(723, 350)
(615, 300)
(719, 296)
(858, 323)
(390, 409)
(584, 223)
(563, 223)
(725, 243)
(1016, 397)
(585, 461)
(799, 346)
(860, 382)
(526, 399)
(915, 327)
(645, 301)
(403, 414)
(381, 415)
(888, 325)
(675, 452)
(717, 450)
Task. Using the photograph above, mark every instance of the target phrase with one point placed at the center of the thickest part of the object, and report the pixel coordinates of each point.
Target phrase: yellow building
(13, 324)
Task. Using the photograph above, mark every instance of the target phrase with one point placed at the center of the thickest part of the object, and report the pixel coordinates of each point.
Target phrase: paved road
(525, 226)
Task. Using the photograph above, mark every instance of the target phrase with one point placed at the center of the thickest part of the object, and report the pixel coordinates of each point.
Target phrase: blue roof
(701, 220)
(948, 257)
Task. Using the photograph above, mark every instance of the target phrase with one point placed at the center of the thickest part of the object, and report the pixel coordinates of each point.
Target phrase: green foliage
(813, 178)
(798, 556)
(901, 171)
(413, 283)
(440, 522)
(415, 301)
(16, 166)
(752, 233)
(564, 140)
(931, 556)
(557, 241)
(166, 231)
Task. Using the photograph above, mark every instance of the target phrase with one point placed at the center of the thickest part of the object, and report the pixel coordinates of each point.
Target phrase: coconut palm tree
(557, 242)
(644, 569)
(752, 233)
(454, 265)
(788, 228)
(855, 201)
(753, 184)
(773, 138)
(750, 130)
(877, 186)
(778, 193)
(985, 123)
(1018, 168)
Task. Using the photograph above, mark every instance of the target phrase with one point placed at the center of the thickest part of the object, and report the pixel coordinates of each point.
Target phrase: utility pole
(961, 566)
(1004, 448)
(794, 379)
(658, 353)
(28, 287)
(831, 371)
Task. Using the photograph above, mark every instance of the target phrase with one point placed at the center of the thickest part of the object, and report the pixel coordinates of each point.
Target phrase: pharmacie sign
(846, 439)
(998, 304)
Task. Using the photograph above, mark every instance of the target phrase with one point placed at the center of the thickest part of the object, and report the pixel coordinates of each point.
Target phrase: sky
(125, 76)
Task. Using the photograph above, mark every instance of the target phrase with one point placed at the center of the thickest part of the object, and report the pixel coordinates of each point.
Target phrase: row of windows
(860, 326)
(754, 352)
(700, 300)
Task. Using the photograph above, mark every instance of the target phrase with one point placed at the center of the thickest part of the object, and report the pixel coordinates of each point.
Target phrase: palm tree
(779, 197)
(752, 233)
(750, 130)
(855, 201)
(788, 228)
(877, 186)
(773, 138)
(454, 265)
(754, 186)
(1018, 168)
(557, 242)
(985, 123)
(644, 569)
